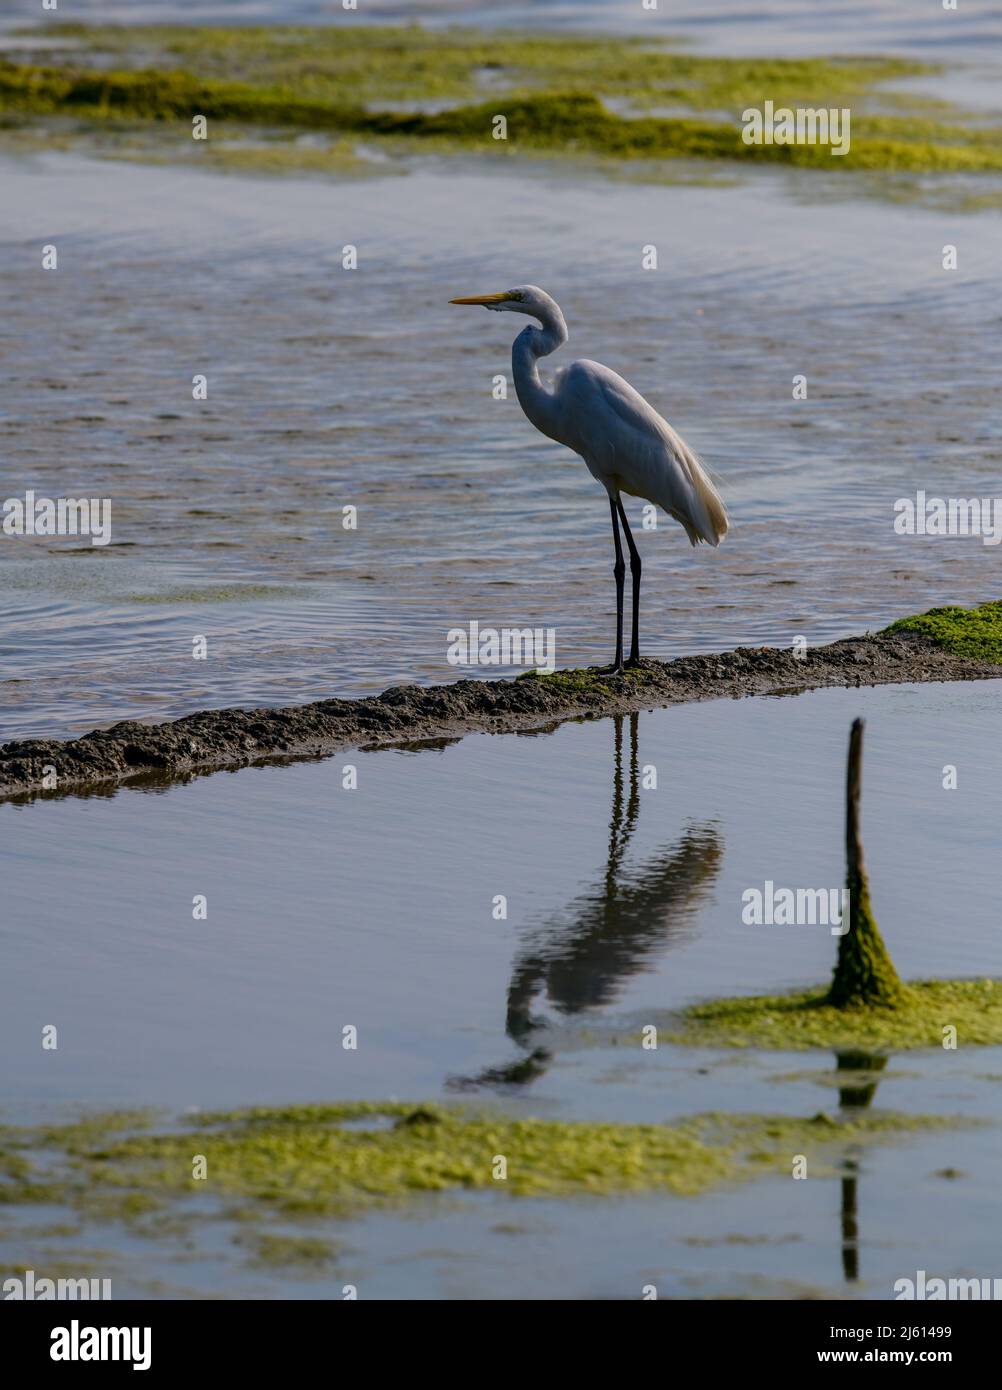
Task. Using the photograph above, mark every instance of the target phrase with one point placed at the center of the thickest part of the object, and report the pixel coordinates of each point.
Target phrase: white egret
(626, 444)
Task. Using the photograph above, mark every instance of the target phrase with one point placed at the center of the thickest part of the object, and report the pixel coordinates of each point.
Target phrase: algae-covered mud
(807, 1019)
(413, 88)
(969, 632)
(227, 738)
(323, 1160)
(285, 1194)
(279, 1190)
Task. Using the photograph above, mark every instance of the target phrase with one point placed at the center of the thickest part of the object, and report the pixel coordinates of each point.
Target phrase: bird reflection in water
(580, 959)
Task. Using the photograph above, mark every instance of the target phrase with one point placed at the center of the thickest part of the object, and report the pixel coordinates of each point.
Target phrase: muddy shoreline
(231, 738)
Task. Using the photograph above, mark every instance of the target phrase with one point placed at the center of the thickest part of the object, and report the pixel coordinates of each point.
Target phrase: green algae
(235, 147)
(864, 973)
(57, 1230)
(81, 1135)
(246, 151)
(398, 63)
(806, 1019)
(553, 93)
(306, 1161)
(586, 680)
(973, 632)
(556, 121)
(340, 1160)
(303, 1252)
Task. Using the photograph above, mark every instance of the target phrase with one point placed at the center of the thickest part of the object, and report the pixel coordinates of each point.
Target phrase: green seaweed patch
(81, 1135)
(590, 680)
(55, 1230)
(303, 1252)
(339, 1160)
(805, 1019)
(568, 121)
(320, 1160)
(397, 63)
(972, 632)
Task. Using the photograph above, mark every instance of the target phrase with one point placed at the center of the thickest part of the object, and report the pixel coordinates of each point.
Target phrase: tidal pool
(376, 908)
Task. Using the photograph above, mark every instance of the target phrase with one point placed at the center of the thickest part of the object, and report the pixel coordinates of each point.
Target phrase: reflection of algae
(974, 632)
(342, 1159)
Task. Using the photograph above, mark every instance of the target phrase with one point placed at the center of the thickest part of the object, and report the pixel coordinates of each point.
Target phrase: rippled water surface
(728, 26)
(331, 388)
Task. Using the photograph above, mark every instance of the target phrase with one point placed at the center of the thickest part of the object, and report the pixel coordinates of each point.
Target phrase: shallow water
(374, 907)
(723, 26)
(330, 388)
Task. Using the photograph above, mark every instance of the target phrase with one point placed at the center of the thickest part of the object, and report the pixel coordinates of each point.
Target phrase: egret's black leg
(635, 572)
(619, 570)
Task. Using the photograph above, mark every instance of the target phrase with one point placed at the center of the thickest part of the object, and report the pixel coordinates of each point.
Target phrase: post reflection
(859, 1076)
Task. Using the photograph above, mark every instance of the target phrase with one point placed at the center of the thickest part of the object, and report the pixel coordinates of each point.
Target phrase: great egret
(626, 444)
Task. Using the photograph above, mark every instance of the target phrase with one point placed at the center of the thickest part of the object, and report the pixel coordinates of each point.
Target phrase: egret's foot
(615, 670)
(632, 663)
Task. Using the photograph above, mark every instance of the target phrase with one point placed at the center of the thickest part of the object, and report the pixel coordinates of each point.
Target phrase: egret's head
(526, 299)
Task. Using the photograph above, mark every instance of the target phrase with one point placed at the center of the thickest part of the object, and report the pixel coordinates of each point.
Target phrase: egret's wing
(641, 451)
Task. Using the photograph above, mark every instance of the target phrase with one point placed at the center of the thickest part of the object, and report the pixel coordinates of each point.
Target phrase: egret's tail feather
(702, 513)
(709, 510)
(687, 492)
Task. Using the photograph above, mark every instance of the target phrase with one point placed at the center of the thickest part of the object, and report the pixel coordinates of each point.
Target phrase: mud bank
(412, 713)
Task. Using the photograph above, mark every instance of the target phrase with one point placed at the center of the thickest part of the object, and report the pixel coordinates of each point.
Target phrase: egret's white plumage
(637, 452)
(626, 444)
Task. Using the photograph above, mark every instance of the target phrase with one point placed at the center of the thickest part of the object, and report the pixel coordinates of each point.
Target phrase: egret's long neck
(531, 344)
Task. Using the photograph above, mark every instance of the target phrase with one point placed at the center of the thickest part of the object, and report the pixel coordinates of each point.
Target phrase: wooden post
(864, 972)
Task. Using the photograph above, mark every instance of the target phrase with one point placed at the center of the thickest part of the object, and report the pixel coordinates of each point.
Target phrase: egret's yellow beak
(486, 299)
